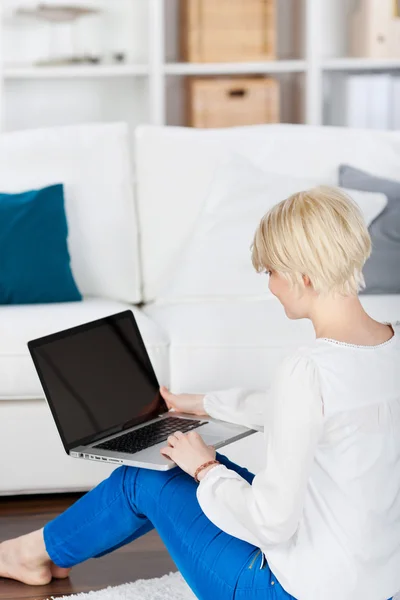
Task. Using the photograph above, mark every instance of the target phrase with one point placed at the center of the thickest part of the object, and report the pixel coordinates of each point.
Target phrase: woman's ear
(306, 280)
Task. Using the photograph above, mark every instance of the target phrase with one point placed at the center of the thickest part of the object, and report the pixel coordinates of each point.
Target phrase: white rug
(168, 587)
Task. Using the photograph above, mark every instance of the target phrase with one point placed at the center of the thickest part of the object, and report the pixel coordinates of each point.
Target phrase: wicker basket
(227, 30)
(221, 102)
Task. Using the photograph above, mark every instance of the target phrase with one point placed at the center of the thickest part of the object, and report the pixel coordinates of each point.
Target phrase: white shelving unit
(360, 64)
(272, 66)
(74, 71)
(142, 88)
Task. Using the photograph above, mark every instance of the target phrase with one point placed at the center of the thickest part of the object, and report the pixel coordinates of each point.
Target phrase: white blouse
(325, 510)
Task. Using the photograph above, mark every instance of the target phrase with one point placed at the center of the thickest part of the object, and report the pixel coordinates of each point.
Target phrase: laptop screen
(98, 378)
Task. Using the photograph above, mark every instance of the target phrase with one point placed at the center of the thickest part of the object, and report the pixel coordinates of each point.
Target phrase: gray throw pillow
(382, 269)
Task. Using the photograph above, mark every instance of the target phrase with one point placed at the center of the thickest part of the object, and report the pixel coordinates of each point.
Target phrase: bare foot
(25, 559)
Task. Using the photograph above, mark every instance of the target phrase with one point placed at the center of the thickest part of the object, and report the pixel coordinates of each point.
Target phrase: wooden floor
(144, 558)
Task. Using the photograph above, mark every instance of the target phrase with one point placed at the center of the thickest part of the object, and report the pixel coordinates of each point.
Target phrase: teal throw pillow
(34, 257)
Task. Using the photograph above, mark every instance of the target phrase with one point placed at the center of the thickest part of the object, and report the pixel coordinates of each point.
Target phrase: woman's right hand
(188, 403)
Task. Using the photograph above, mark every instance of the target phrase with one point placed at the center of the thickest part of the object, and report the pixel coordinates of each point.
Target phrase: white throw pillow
(215, 262)
(94, 164)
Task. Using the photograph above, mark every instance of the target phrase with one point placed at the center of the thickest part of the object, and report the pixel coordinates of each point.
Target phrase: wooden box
(223, 102)
(374, 29)
(227, 30)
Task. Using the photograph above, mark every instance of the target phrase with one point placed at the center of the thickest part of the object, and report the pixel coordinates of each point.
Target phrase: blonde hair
(319, 232)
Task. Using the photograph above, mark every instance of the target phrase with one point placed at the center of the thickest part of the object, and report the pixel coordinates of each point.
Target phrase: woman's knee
(119, 474)
(141, 484)
(124, 477)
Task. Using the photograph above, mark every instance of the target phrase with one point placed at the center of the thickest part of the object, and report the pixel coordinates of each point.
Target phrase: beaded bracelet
(203, 466)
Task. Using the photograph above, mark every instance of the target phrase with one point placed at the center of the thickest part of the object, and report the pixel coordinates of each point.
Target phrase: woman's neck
(344, 319)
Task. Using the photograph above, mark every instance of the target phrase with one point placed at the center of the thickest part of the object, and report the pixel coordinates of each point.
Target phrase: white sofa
(132, 202)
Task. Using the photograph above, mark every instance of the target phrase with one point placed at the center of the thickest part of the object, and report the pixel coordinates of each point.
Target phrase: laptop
(105, 399)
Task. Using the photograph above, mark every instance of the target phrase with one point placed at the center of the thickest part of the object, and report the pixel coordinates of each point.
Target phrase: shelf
(271, 66)
(360, 64)
(78, 71)
(321, 28)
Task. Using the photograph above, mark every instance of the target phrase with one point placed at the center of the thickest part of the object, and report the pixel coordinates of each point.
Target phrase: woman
(321, 521)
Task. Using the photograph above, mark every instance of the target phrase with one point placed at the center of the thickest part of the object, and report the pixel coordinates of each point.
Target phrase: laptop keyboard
(150, 435)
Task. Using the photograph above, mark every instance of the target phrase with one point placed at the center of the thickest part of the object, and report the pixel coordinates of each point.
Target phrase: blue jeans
(133, 501)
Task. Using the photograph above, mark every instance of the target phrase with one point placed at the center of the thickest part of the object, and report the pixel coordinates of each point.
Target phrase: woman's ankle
(34, 548)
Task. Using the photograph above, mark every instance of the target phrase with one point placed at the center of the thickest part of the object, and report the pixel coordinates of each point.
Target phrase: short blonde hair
(319, 232)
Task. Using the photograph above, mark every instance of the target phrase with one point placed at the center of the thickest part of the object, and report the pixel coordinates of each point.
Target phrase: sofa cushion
(21, 323)
(35, 262)
(175, 166)
(93, 163)
(216, 262)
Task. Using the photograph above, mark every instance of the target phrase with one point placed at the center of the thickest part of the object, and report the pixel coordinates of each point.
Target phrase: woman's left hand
(188, 450)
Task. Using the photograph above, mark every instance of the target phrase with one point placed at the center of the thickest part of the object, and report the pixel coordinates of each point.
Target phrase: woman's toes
(59, 572)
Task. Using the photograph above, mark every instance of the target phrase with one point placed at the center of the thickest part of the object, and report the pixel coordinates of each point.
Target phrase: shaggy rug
(167, 587)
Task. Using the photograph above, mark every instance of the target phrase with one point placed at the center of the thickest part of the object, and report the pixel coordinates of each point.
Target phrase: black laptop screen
(98, 378)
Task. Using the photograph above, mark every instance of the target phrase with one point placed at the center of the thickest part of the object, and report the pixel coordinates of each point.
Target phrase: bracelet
(203, 466)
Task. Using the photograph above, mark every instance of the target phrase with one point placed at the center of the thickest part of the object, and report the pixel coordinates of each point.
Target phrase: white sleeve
(237, 405)
(268, 511)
